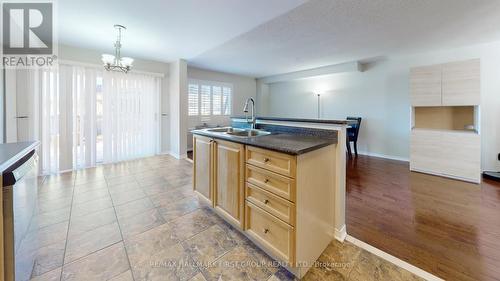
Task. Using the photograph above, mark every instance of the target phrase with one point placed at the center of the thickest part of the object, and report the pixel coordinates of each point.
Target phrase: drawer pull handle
(266, 230)
(266, 201)
(266, 160)
(266, 181)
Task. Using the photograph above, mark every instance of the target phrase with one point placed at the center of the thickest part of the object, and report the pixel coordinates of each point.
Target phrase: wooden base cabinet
(283, 203)
(203, 167)
(229, 181)
(289, 204)
(219, 176)
(275, 235)
(453, 154)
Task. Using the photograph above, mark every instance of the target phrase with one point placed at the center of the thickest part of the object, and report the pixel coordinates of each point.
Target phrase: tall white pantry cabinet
(445, 137)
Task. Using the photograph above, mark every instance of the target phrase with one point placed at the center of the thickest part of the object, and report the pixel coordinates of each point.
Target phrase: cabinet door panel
(425, 85)
(461, 83)
(272, 182)
(229, 180)
(446, 153)
(462, 155)
(202, 166)
(426, 154)
(277, 162)
(271, 233)
(275, 205)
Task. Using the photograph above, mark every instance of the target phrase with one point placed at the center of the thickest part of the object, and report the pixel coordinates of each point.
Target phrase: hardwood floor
(446, 227)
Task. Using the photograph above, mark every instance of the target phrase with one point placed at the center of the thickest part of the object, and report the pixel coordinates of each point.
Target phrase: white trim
(189, 160)
(341, 234)
(177, 156)
(65, 171)
(446, 176)
(392, 259)
(373, 154)
(210, 83)
(133, 71)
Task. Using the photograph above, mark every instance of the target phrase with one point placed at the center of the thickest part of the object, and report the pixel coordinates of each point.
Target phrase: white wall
(380, 95)
(243, 88)
(94, 57)
(178, 108)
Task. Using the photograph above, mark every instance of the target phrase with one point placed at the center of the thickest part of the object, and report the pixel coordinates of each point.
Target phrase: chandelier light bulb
(126, 61)
(108, 59)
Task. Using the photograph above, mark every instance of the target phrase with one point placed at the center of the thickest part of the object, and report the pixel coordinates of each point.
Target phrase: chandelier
(116, 62)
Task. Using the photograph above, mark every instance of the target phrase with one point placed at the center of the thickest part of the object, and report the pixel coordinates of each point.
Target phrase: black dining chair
(352, 135)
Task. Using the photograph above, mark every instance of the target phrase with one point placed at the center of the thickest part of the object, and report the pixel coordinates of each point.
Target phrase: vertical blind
(130, 116)
(49, 119)
(83, 115)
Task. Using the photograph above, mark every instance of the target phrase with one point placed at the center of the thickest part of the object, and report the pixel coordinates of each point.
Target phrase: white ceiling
(163, 30)
(265, 37)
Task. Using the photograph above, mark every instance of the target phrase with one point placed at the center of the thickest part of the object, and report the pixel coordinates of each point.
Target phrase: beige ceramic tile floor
(140, 220)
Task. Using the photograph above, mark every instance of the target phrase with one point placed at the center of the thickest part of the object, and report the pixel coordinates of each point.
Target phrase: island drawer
(270, 232)
(277, 206)
(280, 163)
(272, 182)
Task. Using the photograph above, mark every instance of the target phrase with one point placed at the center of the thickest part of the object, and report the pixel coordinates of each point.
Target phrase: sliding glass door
(85, 116)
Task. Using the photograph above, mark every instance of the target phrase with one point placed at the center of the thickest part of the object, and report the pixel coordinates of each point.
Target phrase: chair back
(355, 127)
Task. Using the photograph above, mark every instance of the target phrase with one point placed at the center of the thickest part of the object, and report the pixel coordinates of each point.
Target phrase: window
(207, 98)
(112, 116)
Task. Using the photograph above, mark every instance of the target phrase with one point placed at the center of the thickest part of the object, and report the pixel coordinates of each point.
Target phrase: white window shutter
(193, 99)
(205, 98)
(216, 100)
(227, 94)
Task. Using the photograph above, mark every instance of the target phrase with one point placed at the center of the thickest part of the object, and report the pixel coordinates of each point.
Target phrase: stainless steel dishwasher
(20, 186)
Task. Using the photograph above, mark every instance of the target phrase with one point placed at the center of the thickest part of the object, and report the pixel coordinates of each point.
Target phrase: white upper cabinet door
(461, 83)
(425, 85)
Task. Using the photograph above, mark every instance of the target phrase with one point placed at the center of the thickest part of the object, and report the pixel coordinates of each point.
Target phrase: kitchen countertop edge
(20, 149)
(324, 142)
(302, 120)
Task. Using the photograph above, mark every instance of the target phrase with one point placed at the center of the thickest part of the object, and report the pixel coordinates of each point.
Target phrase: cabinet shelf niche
(450, 118)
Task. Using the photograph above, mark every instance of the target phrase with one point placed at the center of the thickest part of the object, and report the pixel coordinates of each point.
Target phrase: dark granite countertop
(292, 144)
(10, 153)
(305, 120)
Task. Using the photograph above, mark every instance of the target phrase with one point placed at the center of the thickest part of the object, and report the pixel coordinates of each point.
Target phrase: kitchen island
(282, 185)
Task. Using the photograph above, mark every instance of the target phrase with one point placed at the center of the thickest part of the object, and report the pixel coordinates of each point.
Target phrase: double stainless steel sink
(238, 132)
